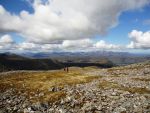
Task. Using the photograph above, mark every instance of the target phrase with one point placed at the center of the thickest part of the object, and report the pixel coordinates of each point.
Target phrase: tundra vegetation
(121, 89)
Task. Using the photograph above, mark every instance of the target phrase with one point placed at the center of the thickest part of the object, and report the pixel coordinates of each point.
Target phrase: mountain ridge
(11, 61)
(118, 58)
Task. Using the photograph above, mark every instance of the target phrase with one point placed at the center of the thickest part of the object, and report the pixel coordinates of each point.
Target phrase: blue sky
(16, 6)
(129, 20)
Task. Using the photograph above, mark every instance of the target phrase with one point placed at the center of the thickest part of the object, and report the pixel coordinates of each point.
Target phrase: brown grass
(107, 84)
(35, 83)
(142, 79)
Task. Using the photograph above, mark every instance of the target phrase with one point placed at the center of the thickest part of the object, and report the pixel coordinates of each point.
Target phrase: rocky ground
(115, 90)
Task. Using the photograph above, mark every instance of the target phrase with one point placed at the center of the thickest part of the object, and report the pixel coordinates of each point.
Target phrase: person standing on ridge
(67, 69)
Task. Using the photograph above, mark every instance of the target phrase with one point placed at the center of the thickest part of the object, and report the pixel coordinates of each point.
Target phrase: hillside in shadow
(15, 62)
(9, 62)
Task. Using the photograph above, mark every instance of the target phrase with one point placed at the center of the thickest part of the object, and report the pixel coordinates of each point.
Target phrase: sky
(75, 25)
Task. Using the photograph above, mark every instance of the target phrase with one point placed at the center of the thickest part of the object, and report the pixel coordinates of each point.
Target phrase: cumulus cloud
(27, 46)
(70, 45)
(103, 45)
(84, 43)
(51, 47)
(6, 39)
(140, 40)
(67, 25)
(59, 20)
(6, 42)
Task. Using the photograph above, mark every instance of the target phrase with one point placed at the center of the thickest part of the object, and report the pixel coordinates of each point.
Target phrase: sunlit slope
(40, 85)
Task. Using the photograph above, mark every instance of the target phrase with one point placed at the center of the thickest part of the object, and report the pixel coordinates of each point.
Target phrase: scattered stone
(126, 90)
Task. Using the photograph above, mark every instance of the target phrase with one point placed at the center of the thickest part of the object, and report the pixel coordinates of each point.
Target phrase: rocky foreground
(115, 90)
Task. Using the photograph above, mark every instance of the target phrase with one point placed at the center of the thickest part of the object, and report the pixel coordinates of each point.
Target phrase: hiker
(64, 68)
(67, 69)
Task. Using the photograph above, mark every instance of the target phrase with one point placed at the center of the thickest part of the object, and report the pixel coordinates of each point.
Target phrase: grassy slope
(37, 82)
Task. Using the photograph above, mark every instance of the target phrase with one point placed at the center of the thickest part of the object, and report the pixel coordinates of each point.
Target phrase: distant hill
(58, 60)
(117, 58)
(10, 61)
(11, 56)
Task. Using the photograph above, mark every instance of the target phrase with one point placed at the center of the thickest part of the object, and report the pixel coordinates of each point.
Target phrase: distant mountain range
(49, 61)
(117, 58)
(58, 60)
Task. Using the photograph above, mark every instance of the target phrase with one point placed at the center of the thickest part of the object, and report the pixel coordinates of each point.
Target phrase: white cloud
(83, 43)
(6, 39)
(66, 45)
(68, 25)
(87, 45)
(6, 42)
(140, 40)
(52, 47)
(27, 46)
(2, 10)
(103, 45)
(59, 20)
